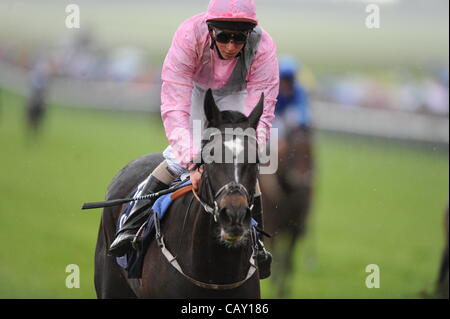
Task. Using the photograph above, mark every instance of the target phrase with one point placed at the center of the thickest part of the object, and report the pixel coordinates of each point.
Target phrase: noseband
(229, 188)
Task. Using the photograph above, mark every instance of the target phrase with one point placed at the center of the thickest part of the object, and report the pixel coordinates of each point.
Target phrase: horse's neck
(211, 259)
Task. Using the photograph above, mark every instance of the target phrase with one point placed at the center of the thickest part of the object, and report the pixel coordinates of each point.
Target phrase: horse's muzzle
(234, 223)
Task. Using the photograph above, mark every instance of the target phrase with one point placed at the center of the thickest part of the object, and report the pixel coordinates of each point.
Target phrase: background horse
(287, 200)
(37, 99)
(35, 110)
(208, 252)
(442, 280)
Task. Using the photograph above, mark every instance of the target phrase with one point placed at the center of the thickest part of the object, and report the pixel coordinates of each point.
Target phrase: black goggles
(226, 37)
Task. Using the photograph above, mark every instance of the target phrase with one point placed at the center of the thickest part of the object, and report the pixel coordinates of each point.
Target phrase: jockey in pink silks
(226, 50)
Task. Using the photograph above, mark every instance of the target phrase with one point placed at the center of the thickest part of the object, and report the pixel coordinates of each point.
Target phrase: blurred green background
(375, 202)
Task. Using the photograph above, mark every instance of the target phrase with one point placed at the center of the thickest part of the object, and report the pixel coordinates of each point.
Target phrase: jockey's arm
(263, 77)
(176, 93)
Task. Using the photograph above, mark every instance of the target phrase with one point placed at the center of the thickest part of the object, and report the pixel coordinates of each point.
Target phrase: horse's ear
(253, 118)
(212, 112)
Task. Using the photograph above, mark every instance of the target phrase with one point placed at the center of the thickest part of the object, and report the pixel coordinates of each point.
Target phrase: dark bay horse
(210, 237)
(287, 200)
(36, 105)
(442, 286)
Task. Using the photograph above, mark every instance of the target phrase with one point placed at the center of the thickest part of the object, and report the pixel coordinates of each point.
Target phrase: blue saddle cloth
(133, 260)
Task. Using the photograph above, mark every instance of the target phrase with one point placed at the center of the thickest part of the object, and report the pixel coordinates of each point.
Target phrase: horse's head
(230, 158)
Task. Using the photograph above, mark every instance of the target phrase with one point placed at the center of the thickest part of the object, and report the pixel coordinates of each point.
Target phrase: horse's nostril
(244, 215)
(224, 216)
(234, 222)
(234, 216)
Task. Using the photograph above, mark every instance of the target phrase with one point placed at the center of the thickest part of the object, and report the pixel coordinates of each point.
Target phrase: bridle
(228, 188)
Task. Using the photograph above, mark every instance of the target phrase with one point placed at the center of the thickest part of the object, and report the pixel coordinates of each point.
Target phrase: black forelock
(232, 117)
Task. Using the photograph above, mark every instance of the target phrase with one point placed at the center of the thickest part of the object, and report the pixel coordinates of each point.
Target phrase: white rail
(327, 116)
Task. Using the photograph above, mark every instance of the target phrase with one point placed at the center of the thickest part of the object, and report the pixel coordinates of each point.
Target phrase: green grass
(375, 203)
(43, 185)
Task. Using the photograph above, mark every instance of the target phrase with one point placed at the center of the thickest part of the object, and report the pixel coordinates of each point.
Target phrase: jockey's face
(287, 86)
(229, 50)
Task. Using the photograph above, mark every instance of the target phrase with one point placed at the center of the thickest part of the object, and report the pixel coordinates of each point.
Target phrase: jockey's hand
(195, 177)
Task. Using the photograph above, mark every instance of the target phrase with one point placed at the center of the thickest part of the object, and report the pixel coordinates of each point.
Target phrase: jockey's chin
(229, 50)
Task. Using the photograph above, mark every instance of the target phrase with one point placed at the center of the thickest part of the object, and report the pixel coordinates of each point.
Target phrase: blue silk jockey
(292, 108)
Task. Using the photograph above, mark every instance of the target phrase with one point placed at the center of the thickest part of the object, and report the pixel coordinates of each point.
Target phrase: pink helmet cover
(232, 10)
